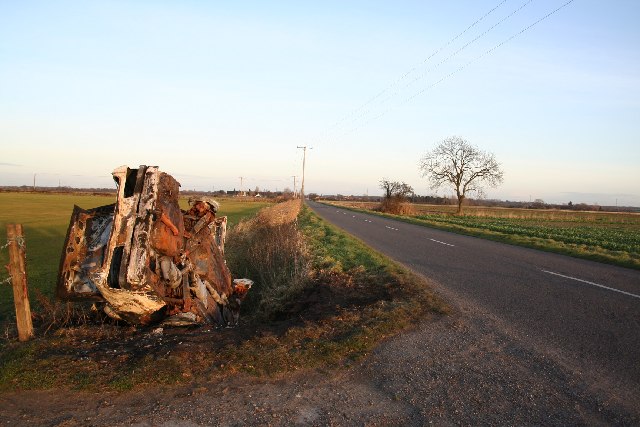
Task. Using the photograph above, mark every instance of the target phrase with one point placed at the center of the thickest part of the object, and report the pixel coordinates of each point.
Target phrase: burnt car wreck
(145, 260)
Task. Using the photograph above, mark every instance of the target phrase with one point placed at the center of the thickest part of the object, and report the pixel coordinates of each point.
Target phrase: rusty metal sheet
(83, 252)
(147, 259)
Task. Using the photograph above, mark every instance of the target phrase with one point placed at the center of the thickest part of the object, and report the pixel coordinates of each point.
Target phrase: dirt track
(465, 368)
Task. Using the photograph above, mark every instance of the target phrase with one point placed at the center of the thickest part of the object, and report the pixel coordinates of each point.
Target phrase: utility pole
(34, 182)
(295, 187)
(241, 178)
(304, 160)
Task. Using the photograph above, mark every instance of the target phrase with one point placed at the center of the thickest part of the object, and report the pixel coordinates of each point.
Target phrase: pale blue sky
(211, 91)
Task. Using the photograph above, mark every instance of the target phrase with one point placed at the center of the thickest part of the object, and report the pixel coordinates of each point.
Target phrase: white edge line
(592, 284)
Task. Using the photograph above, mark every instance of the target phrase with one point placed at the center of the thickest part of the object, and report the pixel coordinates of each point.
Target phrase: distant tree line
(285, 194)
(53, 190)
(288, 194)
(451, 200)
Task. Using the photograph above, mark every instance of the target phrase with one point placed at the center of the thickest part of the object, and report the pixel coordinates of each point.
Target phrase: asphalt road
(584, 312)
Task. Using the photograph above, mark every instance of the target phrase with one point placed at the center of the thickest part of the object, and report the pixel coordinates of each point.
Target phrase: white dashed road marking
(592, 284)
(442, 243)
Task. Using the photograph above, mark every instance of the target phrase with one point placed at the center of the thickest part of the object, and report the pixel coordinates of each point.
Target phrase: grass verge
(321, 300)
(352, 298)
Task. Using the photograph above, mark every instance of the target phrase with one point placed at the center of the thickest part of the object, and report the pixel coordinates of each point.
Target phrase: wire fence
(21, 243)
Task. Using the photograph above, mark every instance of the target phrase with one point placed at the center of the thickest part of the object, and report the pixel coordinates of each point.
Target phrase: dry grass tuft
(270, 250)
(57, 315)
(273, 216)
(397, 206)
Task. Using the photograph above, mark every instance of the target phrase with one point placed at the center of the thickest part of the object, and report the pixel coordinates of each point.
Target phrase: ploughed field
(602, 236)
(45, 218)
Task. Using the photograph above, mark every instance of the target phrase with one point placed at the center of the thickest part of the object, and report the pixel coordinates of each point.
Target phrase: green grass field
(601, 236)
(45, 218)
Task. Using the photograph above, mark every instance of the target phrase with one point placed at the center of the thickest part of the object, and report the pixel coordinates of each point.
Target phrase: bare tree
(395, 189)
(395, 197)
(465, 167)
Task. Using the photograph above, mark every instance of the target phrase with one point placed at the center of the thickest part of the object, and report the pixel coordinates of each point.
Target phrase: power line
(415, 67)
(445, 60)
(484, 33)
(451, 74)
(507, 40)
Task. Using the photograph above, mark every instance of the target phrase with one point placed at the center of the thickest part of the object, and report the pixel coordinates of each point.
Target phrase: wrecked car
(145, 260)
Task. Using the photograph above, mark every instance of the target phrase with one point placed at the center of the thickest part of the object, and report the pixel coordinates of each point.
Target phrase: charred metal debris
(148, 261)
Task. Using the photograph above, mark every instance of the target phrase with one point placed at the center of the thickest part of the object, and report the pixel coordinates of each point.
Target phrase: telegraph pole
(304, 160)
(295, 188)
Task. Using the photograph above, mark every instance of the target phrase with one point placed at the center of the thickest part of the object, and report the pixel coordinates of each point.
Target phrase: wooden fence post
(18, 272)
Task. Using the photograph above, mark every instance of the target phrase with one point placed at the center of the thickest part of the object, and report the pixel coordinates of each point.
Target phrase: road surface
(585, 312)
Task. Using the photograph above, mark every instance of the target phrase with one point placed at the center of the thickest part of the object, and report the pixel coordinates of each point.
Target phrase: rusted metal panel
(83, 252)
(147, 259)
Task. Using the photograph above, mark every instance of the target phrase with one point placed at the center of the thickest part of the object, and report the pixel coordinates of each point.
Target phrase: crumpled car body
(146, 259)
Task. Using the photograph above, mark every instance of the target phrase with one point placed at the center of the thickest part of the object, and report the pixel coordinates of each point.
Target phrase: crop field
(603, 236)
(45, 218)
(609, 232)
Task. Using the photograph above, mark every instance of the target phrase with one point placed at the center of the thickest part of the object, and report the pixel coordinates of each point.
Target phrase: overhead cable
(451, 74)
(445, 60)
(415, 67)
